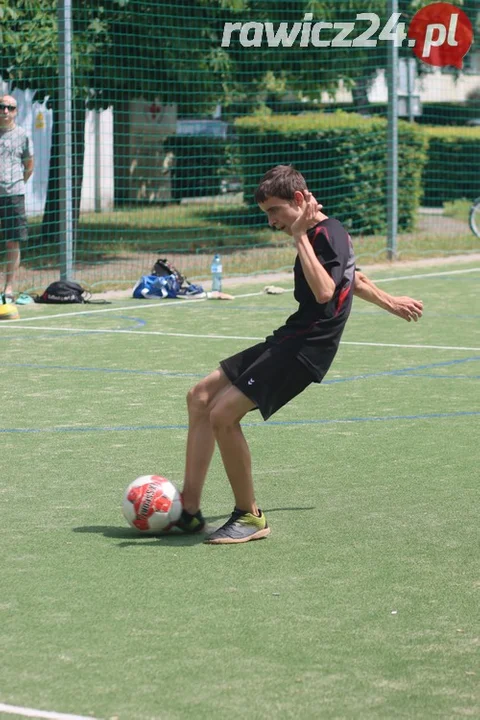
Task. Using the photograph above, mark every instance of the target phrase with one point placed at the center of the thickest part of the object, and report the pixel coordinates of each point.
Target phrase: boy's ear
(298, 198)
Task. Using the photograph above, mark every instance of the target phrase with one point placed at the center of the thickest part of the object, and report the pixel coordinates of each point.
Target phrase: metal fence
(151, 123)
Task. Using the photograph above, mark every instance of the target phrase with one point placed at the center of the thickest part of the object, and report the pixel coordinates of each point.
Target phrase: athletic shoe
(25, 299)
(191, 292)
(191, 523)
(239, 528)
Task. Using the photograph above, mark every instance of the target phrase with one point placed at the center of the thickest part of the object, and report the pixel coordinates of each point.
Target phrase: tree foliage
(173, 49)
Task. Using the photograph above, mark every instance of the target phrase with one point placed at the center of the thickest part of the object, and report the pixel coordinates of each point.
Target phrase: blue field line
(408, 371)
(413, 371)
(139, 322)
(330, 421)
(375, 418)
(431, 376)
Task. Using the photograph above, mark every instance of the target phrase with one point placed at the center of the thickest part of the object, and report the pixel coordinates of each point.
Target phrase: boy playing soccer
(269, 374)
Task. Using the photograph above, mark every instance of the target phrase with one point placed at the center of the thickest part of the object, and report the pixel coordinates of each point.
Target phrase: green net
(178, 108)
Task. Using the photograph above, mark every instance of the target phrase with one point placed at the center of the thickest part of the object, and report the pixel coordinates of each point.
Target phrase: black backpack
(162, 268)
(66, 291)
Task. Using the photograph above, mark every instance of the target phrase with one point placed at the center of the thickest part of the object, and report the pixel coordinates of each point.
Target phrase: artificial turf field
(363, 602)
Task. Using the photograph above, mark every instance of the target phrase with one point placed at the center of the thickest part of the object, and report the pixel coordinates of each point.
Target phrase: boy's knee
(221, 419)
(197, 399)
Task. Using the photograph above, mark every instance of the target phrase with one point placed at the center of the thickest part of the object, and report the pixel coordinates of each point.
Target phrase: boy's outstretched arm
(404, 307)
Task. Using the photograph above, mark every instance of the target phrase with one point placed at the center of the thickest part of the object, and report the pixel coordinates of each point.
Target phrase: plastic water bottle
(216, 270)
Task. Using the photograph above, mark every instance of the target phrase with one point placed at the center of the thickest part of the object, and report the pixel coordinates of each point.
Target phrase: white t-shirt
(15, 147)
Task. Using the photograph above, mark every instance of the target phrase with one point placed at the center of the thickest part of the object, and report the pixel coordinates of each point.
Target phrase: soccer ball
(152, 504)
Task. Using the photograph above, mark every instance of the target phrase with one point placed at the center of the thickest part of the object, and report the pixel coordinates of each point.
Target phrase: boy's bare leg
(200, 439)
(225, 418)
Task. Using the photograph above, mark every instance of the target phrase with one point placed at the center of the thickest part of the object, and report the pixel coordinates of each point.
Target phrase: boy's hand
(406, 308)
(307, 219)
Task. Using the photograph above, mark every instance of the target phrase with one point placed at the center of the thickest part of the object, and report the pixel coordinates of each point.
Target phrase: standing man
(16, 166)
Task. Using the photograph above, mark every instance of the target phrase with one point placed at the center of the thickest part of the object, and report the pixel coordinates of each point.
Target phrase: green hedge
(452, 170)
(343, 157)
(448, 113)
(453, 113)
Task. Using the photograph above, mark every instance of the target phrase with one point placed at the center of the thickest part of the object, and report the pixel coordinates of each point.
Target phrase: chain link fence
(152, 123)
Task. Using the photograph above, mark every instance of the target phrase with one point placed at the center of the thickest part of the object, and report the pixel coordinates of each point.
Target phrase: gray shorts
(13, 218)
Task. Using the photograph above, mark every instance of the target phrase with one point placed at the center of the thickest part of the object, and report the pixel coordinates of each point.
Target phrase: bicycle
(474, 217)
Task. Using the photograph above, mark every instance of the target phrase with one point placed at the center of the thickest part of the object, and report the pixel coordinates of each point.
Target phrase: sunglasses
(8, 107)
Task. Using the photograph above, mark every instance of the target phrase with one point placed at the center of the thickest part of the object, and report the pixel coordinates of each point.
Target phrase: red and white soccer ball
(152, 504)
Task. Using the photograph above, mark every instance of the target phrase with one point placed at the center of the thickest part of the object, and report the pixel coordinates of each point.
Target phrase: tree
(129, 48)
(141, 46)
(121, 49)
(310, 71)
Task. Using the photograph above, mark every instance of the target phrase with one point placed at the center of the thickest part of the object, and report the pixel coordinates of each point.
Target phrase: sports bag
(63, 291)
(154, 286)
(67, 291)
(165, 281)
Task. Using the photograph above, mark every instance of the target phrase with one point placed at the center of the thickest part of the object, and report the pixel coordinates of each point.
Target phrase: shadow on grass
(174, 539)
(133, 538)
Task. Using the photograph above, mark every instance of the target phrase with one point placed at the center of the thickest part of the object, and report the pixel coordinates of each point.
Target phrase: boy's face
(281, 214)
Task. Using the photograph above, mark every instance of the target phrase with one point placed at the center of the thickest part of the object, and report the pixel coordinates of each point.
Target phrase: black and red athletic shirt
(314, 330)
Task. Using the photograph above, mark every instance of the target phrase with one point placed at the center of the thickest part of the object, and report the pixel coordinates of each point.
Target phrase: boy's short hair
(281, 181)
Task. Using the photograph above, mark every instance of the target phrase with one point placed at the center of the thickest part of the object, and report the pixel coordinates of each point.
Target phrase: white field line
(420, 347)
(428, 275)
(228, 337)
(31, 712)
(144, 305)
(148, 304)
(133, 332)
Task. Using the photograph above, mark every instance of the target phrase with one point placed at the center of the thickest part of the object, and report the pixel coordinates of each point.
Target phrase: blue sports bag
(152, 286)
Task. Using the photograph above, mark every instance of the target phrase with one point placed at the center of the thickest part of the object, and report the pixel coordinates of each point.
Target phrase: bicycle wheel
(474, 218)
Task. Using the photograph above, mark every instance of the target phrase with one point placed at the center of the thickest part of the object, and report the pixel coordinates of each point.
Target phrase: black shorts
(269, 375)
(13, 218)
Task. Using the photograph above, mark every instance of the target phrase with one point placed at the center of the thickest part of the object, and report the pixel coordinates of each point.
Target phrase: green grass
(458, 209)
(363, 602)
(195, 226)
(115, 249)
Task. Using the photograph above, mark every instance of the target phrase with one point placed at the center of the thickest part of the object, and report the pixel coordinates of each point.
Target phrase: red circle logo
(441, 34)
